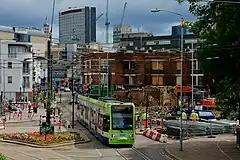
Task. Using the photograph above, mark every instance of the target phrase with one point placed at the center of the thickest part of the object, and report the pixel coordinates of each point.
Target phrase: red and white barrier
(156, 136)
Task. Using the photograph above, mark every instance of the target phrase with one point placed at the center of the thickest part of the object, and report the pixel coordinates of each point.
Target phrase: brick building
(158, 69)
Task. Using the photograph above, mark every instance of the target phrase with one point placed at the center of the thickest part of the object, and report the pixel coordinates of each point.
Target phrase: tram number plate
(122, 135)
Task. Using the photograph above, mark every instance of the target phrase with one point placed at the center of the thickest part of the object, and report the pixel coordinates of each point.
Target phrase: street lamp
(181, 86)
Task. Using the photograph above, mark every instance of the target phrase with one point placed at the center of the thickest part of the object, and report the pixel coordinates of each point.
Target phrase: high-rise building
(77, 25)
(118, 30)
(46, 27)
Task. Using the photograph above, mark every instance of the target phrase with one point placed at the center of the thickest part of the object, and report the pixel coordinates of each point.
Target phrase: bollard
(4, 121)
(60, 124)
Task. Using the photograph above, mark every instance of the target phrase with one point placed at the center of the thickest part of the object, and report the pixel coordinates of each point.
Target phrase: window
(9, 65)
(106, 123)
(22, 37)
(178, 65)
(157, 65)
(122, 117)
(179, 80)
(129, 65)
(9, 79)
(126, 79)
(194, 80)
(26, 82)
(126, 65)
(13, 50)
(26, 68)
(132, 65)
(195, 64)
(200, 80)
(12, 53)
(157, 80)
(103, 79)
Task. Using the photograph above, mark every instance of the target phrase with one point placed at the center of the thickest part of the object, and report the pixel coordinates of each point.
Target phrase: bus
(110, 120)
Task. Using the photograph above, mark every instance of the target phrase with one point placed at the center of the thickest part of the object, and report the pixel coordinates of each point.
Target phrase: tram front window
(122, 117)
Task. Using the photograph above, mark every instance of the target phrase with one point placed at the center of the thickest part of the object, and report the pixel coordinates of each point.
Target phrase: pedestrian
(14, 110)
(29, 109)
(184, 116)
(9, 110)
(19, 113)
(34, 107)
(194, 116)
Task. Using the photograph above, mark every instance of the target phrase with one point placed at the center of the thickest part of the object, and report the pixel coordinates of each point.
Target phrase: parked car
(66, 89)
(62, 88)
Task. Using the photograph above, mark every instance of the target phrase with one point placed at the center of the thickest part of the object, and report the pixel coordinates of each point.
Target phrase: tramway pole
(49, 71)
(73, 97)
(49, 82)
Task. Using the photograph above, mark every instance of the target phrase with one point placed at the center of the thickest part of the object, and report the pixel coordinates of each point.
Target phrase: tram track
(133, 154)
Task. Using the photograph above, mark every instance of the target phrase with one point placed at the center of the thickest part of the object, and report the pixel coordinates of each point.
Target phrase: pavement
(25, 118)
(223, 147)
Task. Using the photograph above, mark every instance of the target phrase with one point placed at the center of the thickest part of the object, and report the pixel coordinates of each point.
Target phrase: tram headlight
(132, 135)
(113, 135)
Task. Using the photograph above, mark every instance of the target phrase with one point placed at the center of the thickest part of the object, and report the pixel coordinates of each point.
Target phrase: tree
(217, 26)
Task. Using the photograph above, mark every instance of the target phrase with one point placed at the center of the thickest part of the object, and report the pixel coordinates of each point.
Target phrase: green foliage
(228, 97)
(2, 157)
(217, 26)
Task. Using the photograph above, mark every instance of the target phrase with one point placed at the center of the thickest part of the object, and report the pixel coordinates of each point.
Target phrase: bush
(2, 157)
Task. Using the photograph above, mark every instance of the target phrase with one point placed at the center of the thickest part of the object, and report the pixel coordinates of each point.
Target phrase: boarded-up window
(178, 65)
(178, 80)
(157, 65)
(157, 80)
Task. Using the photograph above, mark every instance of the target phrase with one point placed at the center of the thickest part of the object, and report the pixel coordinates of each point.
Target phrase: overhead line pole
(49, 71)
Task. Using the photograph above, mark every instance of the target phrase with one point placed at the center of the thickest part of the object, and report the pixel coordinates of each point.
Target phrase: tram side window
(106, 123)
(82, 110)
(86, 112)
(94, 117)
(100, 120)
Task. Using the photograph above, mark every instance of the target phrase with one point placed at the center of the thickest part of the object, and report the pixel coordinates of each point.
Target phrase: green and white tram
(110, 120)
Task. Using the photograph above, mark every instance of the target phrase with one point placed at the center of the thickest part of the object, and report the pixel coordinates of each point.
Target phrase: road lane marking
(100, 154)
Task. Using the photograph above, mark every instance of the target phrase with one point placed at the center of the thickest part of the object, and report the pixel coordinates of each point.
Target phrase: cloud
(138, 15)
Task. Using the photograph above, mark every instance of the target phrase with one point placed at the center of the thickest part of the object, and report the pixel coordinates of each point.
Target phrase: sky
(32, 13)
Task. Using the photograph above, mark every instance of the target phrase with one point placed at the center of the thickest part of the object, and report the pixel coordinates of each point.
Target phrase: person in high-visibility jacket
(184, 116)
(194, 116)
(145, 118)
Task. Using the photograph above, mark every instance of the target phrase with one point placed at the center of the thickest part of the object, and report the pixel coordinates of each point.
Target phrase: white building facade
(16, 72)
(118, 30)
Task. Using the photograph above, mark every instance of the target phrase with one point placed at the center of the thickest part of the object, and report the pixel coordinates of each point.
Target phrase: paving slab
(204, 149)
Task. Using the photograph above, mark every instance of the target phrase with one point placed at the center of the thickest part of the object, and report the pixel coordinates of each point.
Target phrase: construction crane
(99, 16)
(107, 23)
(123, 13)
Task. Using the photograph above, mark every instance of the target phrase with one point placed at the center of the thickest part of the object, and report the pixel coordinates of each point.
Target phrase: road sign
(46, 129)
